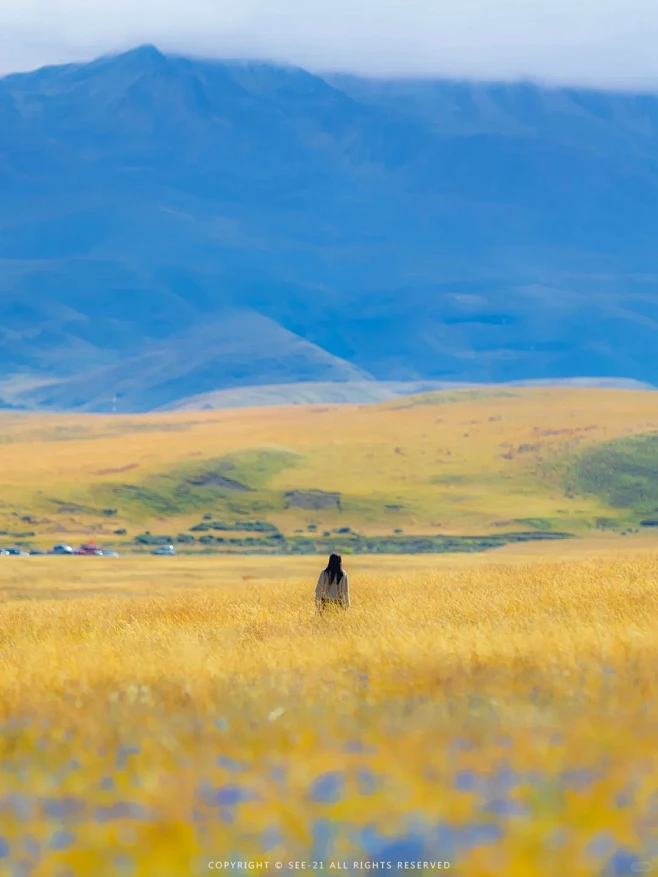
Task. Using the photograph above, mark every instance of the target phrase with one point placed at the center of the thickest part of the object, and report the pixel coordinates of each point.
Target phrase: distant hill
(473, 462)
(357, 392)
(171, 227)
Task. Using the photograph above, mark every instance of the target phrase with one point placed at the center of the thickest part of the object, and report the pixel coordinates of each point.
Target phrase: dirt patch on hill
(313, 500)
(117, 471)
(214, 479)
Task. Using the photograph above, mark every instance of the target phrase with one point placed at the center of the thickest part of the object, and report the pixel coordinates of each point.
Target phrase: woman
(333, 585)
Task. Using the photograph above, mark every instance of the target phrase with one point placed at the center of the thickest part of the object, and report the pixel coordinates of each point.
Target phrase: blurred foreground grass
(496, 712)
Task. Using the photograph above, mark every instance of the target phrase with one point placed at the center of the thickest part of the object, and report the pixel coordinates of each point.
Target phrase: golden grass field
(497, 712)
(453, 463)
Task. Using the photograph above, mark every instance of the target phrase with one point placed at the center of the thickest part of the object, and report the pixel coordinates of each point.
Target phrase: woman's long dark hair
(334, 568)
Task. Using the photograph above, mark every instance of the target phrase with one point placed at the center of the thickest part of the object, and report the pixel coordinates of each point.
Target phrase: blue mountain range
(170, 227)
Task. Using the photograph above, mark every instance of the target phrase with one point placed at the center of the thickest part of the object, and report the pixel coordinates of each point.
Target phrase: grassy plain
(459, 462)
(498, 712)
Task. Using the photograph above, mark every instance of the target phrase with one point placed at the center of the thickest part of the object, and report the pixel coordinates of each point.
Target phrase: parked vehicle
(4, 553)
(62, 549)
(37, 551)
(90, 548)
(165, 550)
(16, 552)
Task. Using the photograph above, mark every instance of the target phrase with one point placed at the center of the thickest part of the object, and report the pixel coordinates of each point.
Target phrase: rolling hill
(491, 465)
(171, 227)
(346, 392)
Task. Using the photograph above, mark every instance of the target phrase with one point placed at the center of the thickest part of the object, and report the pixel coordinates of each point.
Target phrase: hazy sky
(591, 42)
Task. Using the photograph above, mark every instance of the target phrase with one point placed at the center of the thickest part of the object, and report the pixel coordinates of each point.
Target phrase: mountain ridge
(399, 230)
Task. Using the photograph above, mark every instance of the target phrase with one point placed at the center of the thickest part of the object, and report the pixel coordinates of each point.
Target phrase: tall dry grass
(498, 714)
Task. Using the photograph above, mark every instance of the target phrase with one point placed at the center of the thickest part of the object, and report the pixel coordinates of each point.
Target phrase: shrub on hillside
(149, 539)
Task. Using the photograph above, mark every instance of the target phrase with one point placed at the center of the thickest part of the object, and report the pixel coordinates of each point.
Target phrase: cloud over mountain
(589, 42)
